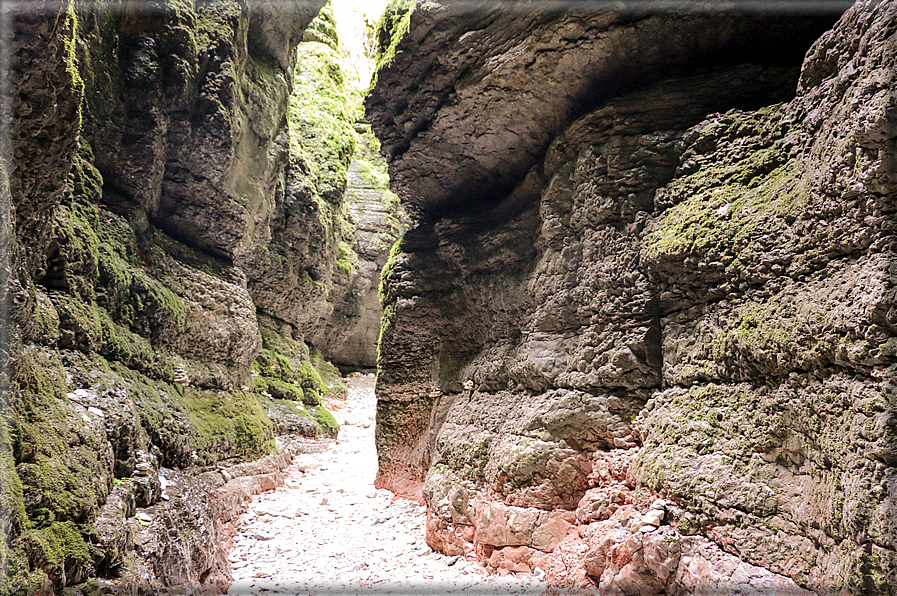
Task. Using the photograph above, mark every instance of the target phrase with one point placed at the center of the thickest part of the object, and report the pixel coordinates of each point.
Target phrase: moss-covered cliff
(174, 180)
(641, 330)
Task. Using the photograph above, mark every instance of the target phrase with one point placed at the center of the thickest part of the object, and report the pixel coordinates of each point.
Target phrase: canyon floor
(328, 530)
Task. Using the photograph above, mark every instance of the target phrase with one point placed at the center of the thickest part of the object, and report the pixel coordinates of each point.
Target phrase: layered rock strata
(641, 332)
(376, 220)
(172, 184)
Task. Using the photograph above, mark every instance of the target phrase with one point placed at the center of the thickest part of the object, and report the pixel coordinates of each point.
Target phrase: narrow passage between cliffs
(329, 531)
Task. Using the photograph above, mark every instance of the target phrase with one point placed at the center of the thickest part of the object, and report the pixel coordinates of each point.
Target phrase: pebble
(357, 539)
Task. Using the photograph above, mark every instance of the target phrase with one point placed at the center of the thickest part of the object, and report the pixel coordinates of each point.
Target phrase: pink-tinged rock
(512, 558)
(600, 503)
(500, 525)
(516, 554)
(548, 535)
(495, 560)
(448, 538)
(518, 567)
(705, 569)
(643, 563)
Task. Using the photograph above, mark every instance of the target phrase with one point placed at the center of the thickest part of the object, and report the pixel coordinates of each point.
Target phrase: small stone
(226, 475)
(653, 517)
(96, 412)
(144, 517)
(259, 535)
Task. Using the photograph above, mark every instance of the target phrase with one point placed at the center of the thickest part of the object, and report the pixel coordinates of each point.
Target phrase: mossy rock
(87, 327)
(327, 425)
(230, 426)
(55, 449)
(98, 259)
(46, 500)
(285, 370)
(323, 28)
(386, 273)
(392, 26)
(716, 212)
(321, 114)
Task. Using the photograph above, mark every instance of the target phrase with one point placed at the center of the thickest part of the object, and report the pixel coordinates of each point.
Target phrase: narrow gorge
(626, 274)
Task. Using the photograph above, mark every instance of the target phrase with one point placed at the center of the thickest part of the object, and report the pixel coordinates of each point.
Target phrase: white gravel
(328, 531)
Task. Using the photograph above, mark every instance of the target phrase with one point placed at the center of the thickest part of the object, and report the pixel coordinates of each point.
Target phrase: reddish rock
(500, 525)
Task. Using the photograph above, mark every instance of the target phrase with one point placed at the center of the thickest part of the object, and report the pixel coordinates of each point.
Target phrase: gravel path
(328, 531)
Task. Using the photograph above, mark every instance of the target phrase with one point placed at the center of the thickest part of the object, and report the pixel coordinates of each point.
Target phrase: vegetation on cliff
(160, 189)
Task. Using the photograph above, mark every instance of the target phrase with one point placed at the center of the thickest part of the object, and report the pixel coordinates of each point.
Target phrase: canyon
(626, 275)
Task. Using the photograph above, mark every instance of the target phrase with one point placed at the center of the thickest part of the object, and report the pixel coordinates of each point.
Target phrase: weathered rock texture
(652, 255)
(173, 188)
(377, 221)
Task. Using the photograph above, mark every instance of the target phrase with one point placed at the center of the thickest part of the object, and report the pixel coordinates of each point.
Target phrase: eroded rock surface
(172, 188)
(644, 269)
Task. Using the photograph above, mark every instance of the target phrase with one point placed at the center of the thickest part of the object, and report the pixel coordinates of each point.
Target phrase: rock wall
(641, 332)
(173, 189)
(377, 221)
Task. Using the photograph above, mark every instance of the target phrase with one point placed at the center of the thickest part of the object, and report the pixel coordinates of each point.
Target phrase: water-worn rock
(681, 253)
(161, 164)
(376, 221)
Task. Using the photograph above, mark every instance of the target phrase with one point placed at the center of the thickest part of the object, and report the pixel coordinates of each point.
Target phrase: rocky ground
(329, 530)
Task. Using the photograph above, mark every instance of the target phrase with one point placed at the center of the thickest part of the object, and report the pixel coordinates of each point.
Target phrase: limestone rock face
(376, 221)
(156, 185)
(639, 267)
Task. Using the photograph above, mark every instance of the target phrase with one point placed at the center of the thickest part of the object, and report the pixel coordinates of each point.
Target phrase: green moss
(87, 327)
(309, 377)
(281, 390)
(98, 260)
(272, 340)
(718, 210)
(45, 498)
(13, 518)
(392, 26)
(373, 176)
(87, 182)
(331, 378)
(327, 424)
(296, 376)
(71, 54)
(54, 451)
(60, 547)
(346, 259)
(323, 28)
(321, 114)
(385, 322)
(229, 425)
(387, 271)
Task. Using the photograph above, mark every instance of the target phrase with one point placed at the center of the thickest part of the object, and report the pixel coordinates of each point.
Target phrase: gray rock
(694, 271)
